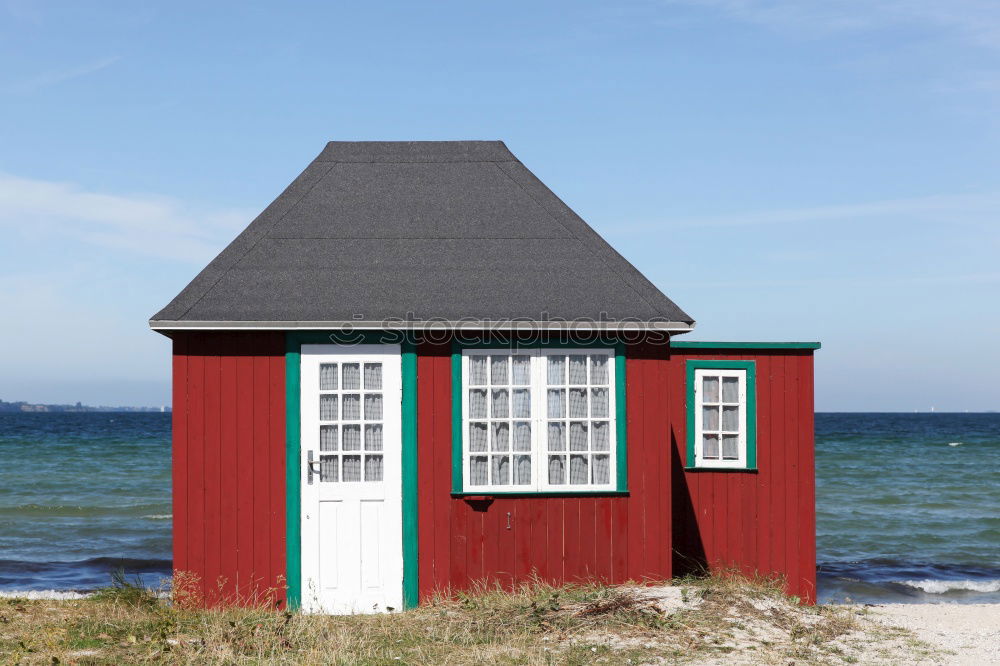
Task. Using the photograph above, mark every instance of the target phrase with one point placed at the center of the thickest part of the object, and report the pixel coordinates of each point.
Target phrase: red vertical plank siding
(228, 464)
(807, 481)
(213, 463)
(261, 469)
(179, 453)
(196, 464)
(225, 583)
(464, 542)
(759, 522)
(229, 504)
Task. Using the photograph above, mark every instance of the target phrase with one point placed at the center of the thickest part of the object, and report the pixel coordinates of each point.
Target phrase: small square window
(721, 415)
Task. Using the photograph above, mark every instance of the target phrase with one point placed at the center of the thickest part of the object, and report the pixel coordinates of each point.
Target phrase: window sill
(483, 497)
(689, 468)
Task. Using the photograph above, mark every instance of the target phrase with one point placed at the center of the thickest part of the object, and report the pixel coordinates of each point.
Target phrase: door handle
(309, 468)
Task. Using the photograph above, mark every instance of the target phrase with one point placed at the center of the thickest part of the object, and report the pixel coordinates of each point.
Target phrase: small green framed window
(721, 415)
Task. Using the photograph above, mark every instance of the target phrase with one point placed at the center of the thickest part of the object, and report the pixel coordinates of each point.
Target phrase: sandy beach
(964, 633)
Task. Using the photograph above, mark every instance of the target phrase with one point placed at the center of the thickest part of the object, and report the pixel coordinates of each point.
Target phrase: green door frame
(293, 433)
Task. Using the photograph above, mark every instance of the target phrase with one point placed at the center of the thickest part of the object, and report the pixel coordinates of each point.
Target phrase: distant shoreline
(22, 407)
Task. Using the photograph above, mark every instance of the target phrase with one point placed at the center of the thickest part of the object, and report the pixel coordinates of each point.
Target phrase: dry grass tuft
(723, 618)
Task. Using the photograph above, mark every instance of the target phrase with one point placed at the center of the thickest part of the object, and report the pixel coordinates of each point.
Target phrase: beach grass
(716, 619)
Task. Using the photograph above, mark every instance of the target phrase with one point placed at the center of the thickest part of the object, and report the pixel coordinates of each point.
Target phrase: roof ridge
(415, 151)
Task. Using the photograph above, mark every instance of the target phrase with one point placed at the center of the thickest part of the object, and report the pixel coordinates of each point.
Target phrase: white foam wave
(158, 516)
(954, 443)
(942, 586)
(41, 594)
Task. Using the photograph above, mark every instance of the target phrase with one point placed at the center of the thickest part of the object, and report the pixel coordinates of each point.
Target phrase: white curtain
(557, 403)
(501, 470)
(498, 370)
(557, 436)
(730, 447)
(501, 404)
(522, 370)
(599, 403)
(522, 404)
(522, 436)
(373, 376)
(328, 408)
(351, 435)
(373, 406)
(477, 370)
(501, 436)
(477, 436)
(352, 377)
(577, 436)
(577, 369)
(373, 437)
(328, 438)
(373, 468)
(478, 469)
(599, 369)
(602, 469)
(522, 470)
(477, 404)
(730, 389)
(328, 468)
(557, 470)
(710, 389)
(599, 434)
(352, 407)
(352, 468)
(557, 370)
(731, 418)
(328, 377)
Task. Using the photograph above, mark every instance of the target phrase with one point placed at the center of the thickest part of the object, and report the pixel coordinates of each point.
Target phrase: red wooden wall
(756, 522)
(559, 539)
(229, 464)
(229, 481)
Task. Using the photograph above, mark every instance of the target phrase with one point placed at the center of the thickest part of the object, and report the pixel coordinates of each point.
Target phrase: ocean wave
(944, 586)
(41, 594)
(83, 511)
(158, 516)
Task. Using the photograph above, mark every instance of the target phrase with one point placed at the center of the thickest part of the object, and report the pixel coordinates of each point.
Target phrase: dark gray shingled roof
(451, 230)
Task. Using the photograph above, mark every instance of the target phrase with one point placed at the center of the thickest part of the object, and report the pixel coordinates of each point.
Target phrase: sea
(907, 505)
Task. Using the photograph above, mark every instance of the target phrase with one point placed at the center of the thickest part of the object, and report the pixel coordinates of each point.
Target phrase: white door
(352, 522)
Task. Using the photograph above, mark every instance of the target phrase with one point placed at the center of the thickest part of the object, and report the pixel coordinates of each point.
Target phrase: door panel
(352, 559)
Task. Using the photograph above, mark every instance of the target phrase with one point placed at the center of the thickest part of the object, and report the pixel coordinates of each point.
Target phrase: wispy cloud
(977, 21)
(54, 77)
(143, 224)
(972, 209)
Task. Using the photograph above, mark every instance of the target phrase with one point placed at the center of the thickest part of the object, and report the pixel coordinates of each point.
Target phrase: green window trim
(751, 387)
(699, 344)
(293, 433)
(457, 430)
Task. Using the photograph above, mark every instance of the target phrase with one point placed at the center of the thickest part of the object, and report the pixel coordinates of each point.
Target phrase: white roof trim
(467, 324)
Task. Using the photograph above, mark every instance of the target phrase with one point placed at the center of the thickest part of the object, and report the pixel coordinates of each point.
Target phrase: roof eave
(673, 327)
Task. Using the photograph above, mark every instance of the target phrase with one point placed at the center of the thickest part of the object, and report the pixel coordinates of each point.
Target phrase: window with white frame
(538, 420)
(721, 413)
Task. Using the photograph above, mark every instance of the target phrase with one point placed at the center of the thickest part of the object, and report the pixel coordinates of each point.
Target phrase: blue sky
(783, 169)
